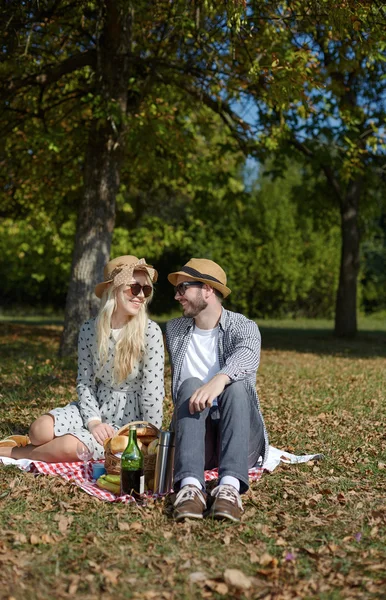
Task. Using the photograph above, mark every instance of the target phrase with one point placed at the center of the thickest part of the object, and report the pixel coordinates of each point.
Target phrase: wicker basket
(113, 463)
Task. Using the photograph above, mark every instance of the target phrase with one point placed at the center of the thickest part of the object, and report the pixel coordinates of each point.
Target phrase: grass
(309, 531)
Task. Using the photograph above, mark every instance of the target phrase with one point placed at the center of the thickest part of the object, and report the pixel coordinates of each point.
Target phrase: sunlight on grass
(314, 530)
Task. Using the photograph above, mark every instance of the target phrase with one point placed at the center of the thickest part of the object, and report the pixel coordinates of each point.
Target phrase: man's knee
(187, 388)
(235, 391)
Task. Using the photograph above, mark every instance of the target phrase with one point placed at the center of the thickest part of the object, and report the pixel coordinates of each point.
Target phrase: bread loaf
(147, 432)
(118, 443)
(153, 447)
(142, 447)
(146, 439)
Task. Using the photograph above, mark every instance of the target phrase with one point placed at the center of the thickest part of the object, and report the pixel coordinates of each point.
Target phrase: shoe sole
(8, 444)
(187, 516)
(220, 516)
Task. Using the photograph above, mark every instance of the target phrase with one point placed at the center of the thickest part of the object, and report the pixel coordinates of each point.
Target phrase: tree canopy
(133, 109)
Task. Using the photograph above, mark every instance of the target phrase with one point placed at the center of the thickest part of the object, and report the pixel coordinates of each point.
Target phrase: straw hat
(120, 270)
(207, 271)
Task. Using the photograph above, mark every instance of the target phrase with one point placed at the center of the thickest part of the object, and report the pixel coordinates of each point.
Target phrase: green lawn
(309, 531)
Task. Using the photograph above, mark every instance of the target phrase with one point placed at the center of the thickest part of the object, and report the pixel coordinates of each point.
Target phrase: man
(214, 355)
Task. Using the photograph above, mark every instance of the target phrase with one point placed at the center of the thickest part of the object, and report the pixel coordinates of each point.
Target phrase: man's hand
(205, 395)
(100, 431)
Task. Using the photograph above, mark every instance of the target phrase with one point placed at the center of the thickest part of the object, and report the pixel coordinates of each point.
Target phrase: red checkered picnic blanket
(74, 473)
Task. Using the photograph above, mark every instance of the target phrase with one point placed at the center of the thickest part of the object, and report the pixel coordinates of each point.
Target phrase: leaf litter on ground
(309, 531)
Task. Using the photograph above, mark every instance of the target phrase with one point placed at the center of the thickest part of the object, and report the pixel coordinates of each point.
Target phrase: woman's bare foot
(6, 451)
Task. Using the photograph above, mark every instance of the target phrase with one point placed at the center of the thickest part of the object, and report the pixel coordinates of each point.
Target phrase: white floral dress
(139, 397)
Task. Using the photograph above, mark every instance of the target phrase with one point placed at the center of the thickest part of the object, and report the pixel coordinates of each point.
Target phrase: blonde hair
(130, 345)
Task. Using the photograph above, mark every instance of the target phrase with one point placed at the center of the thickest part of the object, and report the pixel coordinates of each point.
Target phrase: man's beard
(195, 307)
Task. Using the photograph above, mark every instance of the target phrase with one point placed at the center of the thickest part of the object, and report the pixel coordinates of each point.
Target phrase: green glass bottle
(132, 476)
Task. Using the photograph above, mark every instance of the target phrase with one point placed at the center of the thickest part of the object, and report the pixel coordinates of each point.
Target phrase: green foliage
(373, 275)
(316, 75)
(278, 260)
(274, 257)
(35, 261)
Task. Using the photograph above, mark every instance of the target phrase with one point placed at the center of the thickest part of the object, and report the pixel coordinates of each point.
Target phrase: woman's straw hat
(205, 270)
(120, 270)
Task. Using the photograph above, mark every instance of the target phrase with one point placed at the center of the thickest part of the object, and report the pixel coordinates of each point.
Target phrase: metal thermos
(163, 478)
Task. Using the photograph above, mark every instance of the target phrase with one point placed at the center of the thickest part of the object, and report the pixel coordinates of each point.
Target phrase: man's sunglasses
(136, 289)
(182, 287)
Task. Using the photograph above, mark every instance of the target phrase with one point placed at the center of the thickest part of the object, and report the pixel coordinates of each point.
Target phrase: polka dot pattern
(139, 397)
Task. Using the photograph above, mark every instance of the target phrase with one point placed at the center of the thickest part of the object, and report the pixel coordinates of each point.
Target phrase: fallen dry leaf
(64, 522)
(111, 575)
(217, 586)
(197, 576)
(34, 539)
(19, 538)
(47, 539)
(148, 595)
(266, 559)
(237, 579)
(281, 542)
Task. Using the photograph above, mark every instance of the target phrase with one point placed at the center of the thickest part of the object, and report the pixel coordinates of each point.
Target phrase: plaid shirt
(239, 343)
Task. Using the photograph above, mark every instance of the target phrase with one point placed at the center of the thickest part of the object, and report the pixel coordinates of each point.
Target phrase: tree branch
(325, 168)
(220, 107)
(53, 74)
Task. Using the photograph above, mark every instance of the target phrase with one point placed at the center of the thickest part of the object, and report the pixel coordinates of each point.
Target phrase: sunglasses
(182, 287)
(136, 289)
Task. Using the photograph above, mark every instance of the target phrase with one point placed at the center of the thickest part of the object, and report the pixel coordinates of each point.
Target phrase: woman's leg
(60, 449)
(42, 430)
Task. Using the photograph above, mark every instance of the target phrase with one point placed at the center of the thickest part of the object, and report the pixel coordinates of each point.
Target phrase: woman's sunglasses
(182, 287)
(136, 289)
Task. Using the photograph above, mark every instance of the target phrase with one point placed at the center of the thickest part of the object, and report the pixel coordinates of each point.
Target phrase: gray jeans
(229, 436)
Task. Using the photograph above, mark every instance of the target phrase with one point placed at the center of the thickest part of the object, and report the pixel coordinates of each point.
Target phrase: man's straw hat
(205, 270)
(120, 270)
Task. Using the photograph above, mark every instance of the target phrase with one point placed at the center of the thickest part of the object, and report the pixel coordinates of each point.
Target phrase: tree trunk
(96, 216)
(94, 230)
(346, 300)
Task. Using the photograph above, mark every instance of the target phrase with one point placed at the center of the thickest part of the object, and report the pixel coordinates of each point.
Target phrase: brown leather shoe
(15, 441)
(190, 503)
(8, 443)
(226, 504)
(21, 440)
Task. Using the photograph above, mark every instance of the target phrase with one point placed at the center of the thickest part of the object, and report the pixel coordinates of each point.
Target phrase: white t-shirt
(201, 358)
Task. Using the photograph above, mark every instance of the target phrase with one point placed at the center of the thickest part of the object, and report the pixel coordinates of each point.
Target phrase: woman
(120, 371)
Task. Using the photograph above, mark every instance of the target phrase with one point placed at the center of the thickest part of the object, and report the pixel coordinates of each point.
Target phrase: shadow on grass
(36, 329)
(27, 338)
(36, 345)
(13, 428)
(366, 344)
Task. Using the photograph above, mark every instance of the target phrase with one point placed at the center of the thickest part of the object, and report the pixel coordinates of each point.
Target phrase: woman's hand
(101, 431)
